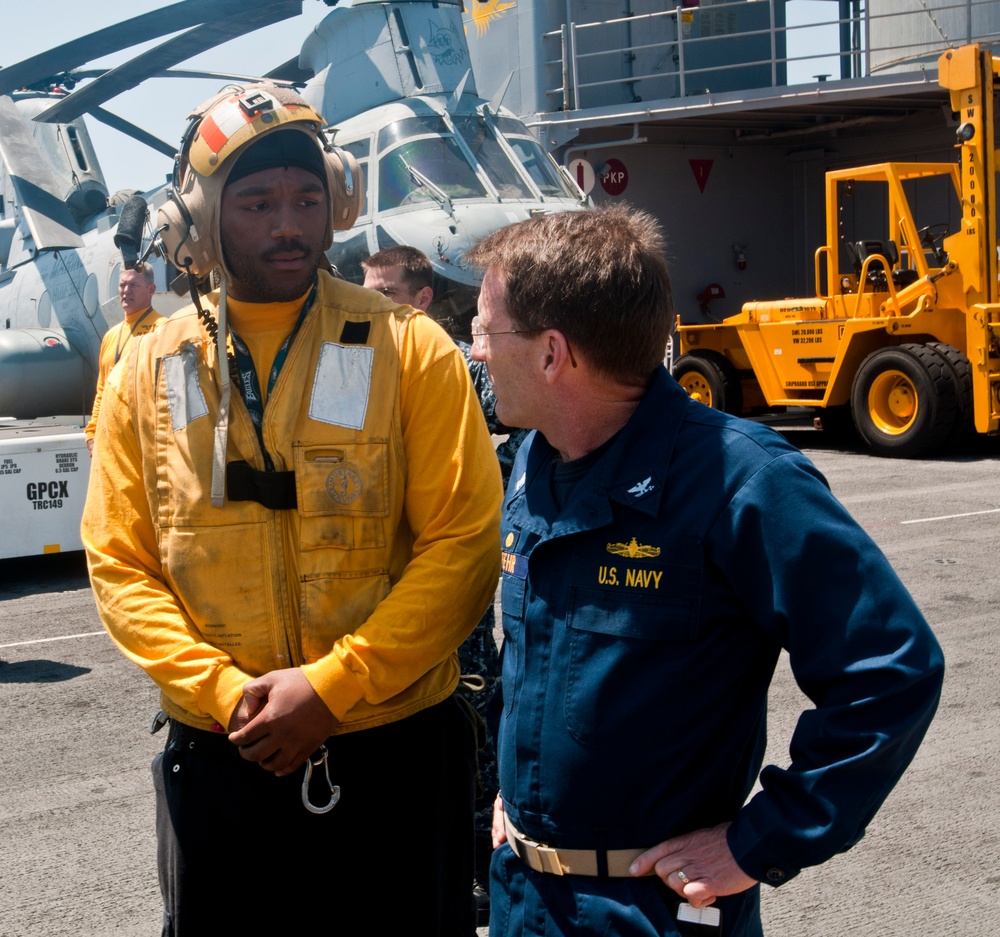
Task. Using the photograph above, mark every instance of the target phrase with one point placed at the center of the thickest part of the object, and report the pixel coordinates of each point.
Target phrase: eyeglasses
(391, 292)
(479, 334)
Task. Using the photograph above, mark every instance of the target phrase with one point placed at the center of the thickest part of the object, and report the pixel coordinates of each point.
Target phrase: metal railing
(690, 49)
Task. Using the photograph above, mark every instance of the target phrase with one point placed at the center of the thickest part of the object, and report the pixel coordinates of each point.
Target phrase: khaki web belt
(544, 858)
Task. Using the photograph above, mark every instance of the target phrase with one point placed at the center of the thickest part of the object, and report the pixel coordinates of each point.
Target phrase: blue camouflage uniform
(642, 624)
(478, 653)
(484, 390)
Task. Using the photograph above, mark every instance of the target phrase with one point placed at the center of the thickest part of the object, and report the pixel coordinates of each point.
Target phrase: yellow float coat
(369, 586)
(114, 347)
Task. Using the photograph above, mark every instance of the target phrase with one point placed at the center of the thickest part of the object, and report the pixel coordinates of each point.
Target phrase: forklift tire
(709, 378)
(904, 401)
(961, 374)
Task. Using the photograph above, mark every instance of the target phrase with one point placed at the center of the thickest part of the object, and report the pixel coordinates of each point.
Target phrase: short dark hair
(598, 276)
(417, 269)
(145, 269)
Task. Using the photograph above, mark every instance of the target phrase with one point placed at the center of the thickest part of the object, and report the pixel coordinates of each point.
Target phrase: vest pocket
(343, 494)
(337, 604)
(220, 577)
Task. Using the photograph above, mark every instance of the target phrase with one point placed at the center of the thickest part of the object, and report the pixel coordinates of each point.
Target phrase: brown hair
(417, 270)
(598, 276)
(145, 269)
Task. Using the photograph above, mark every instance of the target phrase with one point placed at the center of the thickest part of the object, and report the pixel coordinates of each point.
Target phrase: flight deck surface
(76, 807)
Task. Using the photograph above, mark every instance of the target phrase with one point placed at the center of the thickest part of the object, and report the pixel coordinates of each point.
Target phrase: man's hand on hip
(498, 831)
(280, 721)
(698, 866)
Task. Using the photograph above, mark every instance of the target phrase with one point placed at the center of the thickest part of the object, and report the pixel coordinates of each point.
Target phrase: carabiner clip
(323, 759)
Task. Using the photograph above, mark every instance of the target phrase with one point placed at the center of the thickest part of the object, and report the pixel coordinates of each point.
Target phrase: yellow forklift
(902, 338)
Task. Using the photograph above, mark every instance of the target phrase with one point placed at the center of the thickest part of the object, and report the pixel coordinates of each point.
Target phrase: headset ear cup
(347, 188)
(186, 247)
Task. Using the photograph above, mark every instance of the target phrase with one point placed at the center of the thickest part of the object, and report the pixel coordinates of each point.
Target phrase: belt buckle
(549, 859)
(539, 857)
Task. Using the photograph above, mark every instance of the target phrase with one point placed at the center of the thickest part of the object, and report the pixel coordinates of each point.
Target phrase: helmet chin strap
(222, 420)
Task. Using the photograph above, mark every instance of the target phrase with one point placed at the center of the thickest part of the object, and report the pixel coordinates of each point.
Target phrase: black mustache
(285, 246)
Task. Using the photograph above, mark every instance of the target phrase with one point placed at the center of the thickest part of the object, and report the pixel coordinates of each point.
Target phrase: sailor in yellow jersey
(293, 543)
(136, 287)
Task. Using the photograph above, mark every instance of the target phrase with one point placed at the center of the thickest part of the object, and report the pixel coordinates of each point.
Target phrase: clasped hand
(280, 721)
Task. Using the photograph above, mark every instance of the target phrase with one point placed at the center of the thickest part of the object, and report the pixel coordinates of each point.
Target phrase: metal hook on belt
(314, 762)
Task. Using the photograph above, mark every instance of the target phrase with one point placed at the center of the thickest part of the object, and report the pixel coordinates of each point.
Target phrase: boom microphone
(128, 237)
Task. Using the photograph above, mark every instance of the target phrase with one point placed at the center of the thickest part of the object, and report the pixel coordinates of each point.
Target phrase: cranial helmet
(221, 131)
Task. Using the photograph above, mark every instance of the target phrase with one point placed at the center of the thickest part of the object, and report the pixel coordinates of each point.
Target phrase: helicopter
(442, 167)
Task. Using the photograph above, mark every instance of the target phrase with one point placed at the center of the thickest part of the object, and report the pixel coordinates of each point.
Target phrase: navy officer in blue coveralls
(657, 556)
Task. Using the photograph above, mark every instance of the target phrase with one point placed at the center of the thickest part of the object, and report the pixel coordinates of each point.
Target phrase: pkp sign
(614, 177)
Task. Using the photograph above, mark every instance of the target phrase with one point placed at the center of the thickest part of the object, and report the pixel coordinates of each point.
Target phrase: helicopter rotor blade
(178, 49)
(291, 72)
(221, 76)
(142, 136)
(169, 19)
(80, 73)
(131, 130)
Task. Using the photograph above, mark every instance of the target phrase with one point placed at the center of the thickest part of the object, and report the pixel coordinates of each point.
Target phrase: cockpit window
(357, 148)
(491, 156)
(536, 162)
(539, 166)
(431, 169)
(410, 127)
(360, 149)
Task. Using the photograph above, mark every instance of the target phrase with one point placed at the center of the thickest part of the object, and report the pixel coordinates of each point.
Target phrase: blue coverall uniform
(642, 624)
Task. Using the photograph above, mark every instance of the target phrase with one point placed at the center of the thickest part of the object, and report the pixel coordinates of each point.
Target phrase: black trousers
(239, 854)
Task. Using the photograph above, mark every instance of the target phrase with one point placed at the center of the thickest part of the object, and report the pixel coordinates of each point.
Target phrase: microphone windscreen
(128, 237)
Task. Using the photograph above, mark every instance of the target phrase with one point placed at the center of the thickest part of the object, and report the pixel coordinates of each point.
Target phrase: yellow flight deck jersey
(115, 346)
(369, 585)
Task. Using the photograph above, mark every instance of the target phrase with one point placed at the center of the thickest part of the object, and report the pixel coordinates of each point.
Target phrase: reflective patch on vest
(342, 385)
(184, 394)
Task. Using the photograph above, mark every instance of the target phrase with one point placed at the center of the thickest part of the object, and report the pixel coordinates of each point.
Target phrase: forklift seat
(887, 249)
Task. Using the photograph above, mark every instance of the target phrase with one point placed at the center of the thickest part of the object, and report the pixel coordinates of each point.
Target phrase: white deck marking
(65, 637)
(948, 517)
